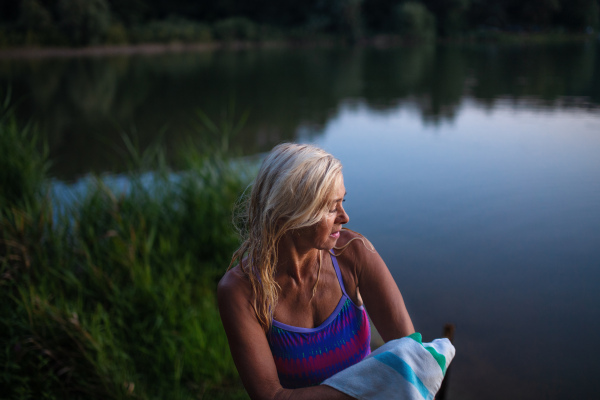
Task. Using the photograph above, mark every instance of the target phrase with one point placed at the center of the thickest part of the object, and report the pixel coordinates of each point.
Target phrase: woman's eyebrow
(342, 198)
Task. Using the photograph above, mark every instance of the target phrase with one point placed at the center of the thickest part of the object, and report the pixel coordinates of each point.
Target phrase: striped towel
(400, 369)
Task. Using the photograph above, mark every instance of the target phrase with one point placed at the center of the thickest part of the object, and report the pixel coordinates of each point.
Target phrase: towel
(405, 368)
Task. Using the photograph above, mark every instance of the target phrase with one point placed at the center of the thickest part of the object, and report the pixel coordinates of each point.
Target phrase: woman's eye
(335, 209)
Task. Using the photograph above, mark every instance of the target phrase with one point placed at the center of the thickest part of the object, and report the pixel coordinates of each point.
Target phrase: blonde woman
(293, 306)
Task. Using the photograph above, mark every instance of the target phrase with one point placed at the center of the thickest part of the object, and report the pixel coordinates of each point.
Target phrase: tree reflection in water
(84, 103)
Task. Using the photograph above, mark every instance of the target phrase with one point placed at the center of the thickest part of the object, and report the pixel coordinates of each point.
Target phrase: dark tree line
(82, 22)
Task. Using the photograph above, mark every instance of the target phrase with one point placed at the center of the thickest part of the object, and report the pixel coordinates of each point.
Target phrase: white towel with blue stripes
(404, 369)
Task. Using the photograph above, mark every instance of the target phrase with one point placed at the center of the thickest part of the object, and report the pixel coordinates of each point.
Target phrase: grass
(113, 296)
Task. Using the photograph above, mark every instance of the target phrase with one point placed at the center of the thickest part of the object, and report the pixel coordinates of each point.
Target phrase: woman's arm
(250, 349)
(368, 275)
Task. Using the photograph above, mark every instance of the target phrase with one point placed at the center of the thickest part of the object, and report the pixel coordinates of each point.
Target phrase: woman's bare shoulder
(234, 286)
(352, 245)
(353, 251)
(346, 235)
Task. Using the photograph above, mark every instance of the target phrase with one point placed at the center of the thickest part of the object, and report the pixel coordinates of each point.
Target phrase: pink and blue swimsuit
(308, 356)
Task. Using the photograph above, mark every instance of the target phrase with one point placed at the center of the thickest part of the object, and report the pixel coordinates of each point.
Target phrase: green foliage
(220, 133)
(132, 12)
(235, 28)
(35, 26)
(35, 16)
(23, 164)
(414, 21)
(84, 21)
(117, 34)
(173, 29)
(113, 295)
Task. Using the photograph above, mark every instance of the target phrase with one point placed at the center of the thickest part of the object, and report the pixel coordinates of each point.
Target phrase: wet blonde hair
(293, 189)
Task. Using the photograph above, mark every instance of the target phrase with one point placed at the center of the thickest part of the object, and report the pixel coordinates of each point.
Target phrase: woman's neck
(297, 263)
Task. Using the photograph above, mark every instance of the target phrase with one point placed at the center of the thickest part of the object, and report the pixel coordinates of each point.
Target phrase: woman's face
(325, 234)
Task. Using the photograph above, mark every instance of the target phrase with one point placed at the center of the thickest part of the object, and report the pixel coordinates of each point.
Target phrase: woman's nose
(343, 217)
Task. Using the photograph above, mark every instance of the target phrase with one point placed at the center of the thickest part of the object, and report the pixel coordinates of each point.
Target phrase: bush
(22, 166)
(84, 21)
(116, 34)
(33, 15)
(236, 28)
(173, 29)
(112, 295)
(33, 27)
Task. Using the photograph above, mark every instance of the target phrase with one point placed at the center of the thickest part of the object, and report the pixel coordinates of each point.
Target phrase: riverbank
(378, 41)
(113, 295)
(143, 49)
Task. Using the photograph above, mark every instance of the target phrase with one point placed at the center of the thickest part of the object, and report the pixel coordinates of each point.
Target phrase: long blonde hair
(292, 190)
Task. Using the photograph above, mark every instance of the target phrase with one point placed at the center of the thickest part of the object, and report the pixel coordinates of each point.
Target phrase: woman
(292, 307)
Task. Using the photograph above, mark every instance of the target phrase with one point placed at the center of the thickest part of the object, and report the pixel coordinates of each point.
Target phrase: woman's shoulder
(353, 252)
(352, 244)
(347, 235)
(234, 286)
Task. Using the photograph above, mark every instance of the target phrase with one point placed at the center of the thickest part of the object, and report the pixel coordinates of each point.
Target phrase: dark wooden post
(448, 333)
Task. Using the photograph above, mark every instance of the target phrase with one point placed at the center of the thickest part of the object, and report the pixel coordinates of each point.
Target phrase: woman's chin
(331, 243)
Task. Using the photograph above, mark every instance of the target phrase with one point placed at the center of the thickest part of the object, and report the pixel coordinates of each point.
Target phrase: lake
(473, 169)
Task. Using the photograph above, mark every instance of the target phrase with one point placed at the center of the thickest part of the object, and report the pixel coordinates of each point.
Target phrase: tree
(413, 20)
(84, 21)
(131, 12)
(34, 16)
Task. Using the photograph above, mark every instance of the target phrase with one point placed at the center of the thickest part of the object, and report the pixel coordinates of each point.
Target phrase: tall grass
(114, 297)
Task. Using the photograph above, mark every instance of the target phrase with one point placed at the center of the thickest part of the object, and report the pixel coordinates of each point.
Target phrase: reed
(113, 295)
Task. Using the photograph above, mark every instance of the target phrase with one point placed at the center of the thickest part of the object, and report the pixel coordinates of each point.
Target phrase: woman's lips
(335, 235)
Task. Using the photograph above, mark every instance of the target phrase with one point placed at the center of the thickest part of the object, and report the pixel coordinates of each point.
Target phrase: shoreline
(379, 41)
(178, 47)
(129, 49)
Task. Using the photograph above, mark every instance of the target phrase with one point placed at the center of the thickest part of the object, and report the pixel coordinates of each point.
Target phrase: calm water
(474, 170)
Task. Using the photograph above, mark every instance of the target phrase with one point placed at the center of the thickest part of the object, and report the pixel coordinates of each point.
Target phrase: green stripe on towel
(416, 337)
(441, 360)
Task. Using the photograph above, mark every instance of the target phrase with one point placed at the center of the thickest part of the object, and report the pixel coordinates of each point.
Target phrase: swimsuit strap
(339, 274)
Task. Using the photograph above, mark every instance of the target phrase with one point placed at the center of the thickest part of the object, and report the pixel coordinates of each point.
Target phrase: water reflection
(84, 104)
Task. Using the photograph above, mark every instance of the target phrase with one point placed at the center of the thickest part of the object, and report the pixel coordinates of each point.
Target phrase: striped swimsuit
(308, 356)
